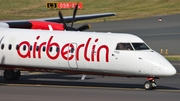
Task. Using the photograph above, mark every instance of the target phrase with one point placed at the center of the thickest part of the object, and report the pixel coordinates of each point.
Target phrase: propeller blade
(74, 14)
(84, 27)
(62, 20)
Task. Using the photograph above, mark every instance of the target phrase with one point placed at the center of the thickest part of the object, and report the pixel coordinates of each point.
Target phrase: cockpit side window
(140, 46)
(124, 46)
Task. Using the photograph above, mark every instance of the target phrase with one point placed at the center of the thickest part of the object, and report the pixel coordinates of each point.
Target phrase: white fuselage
(79, 52)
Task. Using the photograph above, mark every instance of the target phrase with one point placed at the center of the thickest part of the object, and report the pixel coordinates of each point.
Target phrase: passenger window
(10, 46)
(44, 48)
(30, 48)
(50, 49)
(72, 50)
(24, 47)
(57, 49)
(37, 48)
(17, 47)
(124, 46)
(2, 46)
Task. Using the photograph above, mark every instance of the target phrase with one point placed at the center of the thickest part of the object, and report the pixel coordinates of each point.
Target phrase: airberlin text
(64, 51)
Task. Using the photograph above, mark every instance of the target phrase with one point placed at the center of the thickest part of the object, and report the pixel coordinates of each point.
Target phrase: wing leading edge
(68, 19)
(26, 24)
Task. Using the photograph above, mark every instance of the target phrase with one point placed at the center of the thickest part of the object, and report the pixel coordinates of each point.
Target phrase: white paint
(121, 62)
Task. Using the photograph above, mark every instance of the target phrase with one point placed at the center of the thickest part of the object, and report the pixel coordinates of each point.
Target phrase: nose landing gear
(150, 84)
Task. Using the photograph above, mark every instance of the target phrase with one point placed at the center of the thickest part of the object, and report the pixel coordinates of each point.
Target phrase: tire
(148, 85)
(11, 75)
(16, 75)
(8, 74)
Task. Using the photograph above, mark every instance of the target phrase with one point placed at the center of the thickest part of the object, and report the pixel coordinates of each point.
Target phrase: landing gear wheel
(150, 85)
(8, 74)
(17, 75)
(11, 75)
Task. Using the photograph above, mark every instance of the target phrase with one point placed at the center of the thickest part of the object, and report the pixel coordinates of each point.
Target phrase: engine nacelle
(42, 25)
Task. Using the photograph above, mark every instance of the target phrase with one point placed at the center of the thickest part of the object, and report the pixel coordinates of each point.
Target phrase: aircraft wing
(68, 19)
(28, 25)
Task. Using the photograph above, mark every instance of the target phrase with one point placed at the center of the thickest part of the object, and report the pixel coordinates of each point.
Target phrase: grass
(172, 57)
(125, 9)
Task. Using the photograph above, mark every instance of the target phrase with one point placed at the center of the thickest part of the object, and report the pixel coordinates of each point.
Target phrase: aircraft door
(92, 53)
(1, 50)
(94, 64)
(71, 55)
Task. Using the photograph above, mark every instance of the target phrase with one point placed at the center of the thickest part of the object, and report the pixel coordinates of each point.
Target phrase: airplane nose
(169, 69)
(163, 65)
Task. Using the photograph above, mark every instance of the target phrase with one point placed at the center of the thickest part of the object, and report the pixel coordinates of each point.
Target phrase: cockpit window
(124, 46)
(140, 46)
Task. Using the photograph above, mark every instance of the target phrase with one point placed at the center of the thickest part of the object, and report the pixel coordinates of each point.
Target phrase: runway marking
(89, 87)
(158, 34)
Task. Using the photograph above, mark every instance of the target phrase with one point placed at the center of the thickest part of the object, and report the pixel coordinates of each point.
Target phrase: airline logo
(63, 50)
